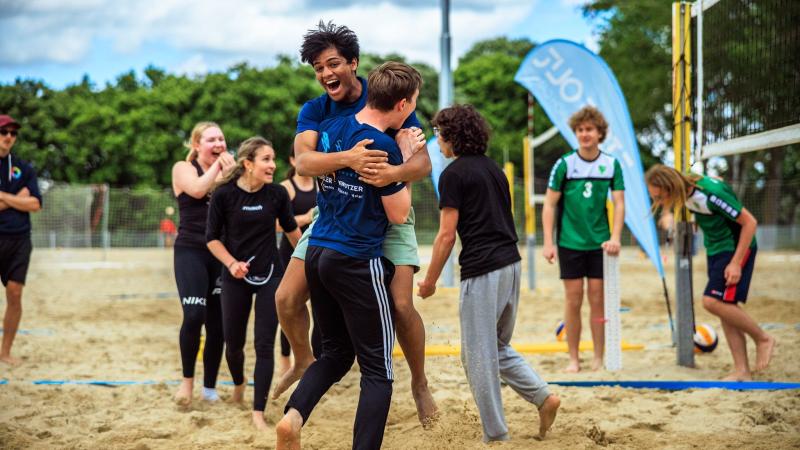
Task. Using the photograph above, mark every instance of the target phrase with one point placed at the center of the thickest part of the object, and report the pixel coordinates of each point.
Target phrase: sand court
(91, 315)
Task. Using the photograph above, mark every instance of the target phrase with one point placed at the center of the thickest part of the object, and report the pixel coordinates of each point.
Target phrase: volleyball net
(746, 55)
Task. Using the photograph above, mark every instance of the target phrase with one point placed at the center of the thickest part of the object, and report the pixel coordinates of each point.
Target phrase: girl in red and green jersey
(729, 235)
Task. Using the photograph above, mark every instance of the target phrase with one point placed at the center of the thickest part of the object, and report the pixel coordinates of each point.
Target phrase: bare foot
(184, 395)
(427, 412)
(597, 364)
(288, 431)
(238, 392)
(764, 350)
(10, 360)
(547, 414)
(738, 376)
(259, 422)
(573, 367)
(290, 376)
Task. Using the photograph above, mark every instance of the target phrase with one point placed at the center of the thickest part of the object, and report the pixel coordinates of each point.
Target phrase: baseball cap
(7, 121)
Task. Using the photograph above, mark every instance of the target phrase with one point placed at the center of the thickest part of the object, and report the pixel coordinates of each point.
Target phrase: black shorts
(580, 263)
(716, 287)
(15, 255)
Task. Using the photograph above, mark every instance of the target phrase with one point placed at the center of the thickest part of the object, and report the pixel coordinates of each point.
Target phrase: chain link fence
(99, 216)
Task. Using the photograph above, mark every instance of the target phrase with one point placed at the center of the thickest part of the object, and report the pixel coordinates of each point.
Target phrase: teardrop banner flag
(564, 77)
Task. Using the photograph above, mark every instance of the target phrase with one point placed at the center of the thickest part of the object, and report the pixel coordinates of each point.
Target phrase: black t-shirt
(16, 174)
(245, 223)
(478, 189)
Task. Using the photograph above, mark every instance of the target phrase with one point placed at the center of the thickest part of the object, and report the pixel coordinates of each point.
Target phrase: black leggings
(197, 274)
(316, 340)
(237, 298)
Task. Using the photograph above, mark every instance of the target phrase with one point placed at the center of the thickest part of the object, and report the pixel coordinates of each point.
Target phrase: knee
(193, 318)
(711, 304)
(574, 302)
(14, 294)
(404, 309)
(288, 301)
(265, 349)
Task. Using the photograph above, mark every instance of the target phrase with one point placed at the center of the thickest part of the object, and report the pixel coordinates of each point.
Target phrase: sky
(59, 41)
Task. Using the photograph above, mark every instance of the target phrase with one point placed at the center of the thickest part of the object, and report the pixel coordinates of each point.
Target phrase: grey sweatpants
(488, 309)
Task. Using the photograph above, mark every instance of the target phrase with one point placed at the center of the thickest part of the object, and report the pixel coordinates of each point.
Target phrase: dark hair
(291, 171)
(326, 36)
(464, 128)
(592, 115)
(391, 82)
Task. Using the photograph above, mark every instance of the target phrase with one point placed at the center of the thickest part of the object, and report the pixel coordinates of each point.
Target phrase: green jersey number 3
(587, 189)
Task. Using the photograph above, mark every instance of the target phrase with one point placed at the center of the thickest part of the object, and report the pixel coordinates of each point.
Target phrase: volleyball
(705, 338)
(561, 331)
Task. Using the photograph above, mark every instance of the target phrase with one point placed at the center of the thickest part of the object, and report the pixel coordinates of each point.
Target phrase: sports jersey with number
(582, 215)
(716, 209)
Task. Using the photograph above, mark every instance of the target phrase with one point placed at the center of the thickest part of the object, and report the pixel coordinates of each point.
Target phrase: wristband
(231, 263)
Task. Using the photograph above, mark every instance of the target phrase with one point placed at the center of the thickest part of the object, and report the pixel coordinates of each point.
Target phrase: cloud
(195, 65)
(63, 32)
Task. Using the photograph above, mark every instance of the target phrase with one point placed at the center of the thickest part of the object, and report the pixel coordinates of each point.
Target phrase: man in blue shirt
(19, 196)
(346, 273)
(333, 53)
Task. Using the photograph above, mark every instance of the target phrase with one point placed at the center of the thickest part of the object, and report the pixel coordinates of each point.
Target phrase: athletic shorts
(15, 256)
(399, 247)
(580, 263)
(716, 287)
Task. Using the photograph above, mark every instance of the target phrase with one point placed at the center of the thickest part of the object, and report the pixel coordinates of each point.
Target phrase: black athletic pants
(197, 274)
(354, 306)
(237, 298)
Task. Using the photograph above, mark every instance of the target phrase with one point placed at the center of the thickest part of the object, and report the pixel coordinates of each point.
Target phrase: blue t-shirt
(351, 218)
(315, 111)
(15, 223)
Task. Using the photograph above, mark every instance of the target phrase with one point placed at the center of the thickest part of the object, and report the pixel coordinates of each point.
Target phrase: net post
(611, 300)
(106, 235)
(682, 114)
(530, 207)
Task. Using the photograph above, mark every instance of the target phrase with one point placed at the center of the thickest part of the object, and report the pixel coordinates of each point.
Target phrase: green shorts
(400, 245)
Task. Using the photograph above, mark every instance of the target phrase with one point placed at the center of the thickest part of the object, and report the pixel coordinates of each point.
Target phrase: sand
(90, 315)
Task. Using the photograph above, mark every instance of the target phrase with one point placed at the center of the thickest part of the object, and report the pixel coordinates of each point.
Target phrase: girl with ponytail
(729, 236)
(240, 233)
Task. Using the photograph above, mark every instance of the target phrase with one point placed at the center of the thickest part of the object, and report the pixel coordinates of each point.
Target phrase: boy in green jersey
(576, 198)
(729, 235)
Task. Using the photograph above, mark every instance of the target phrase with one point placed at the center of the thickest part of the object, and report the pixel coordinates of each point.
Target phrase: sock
(210, 394)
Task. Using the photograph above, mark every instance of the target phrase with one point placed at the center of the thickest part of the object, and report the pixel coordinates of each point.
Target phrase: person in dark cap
(19, 196)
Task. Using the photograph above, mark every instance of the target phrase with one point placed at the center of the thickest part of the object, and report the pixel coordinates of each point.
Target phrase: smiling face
(336, 75)
(210, 146)
(262, 168)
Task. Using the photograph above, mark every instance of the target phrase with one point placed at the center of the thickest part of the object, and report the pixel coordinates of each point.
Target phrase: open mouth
(333, 85)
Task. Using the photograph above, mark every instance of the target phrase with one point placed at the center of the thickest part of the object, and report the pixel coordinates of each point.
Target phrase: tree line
(129, 132)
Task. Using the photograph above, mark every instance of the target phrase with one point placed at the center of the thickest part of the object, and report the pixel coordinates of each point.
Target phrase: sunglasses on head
(6, 132)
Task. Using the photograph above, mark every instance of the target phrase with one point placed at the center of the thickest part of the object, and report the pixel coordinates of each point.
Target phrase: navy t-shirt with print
(352, 219)
(317, 110)
(16, 174)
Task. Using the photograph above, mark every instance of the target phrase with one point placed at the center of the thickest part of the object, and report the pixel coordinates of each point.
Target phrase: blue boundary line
(114, 382)
(681, 385)
(663, 385)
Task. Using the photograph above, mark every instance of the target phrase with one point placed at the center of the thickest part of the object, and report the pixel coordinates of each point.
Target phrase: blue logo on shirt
(16, 173)
(326, 141)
